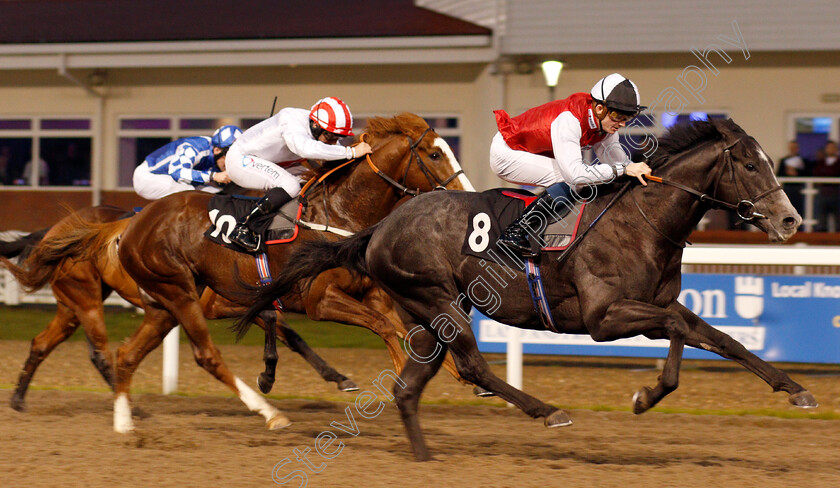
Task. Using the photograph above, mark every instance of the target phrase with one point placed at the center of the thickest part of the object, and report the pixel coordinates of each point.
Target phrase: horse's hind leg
(378, 300)
(453, 328)
(156, 324)
(703, 336)
(423, 363)
(185, 307)
(84, 294)
(58, 330)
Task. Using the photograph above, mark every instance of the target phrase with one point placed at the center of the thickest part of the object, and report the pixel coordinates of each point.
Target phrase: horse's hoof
(481, 392)
(641, 402)
(279, 421)
(265, 383)
(18, 403)
(803, 399)
(347, 385)
(560, 418)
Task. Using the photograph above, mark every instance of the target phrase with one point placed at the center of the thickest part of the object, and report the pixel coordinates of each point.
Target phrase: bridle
(744, 209)
(433, 180)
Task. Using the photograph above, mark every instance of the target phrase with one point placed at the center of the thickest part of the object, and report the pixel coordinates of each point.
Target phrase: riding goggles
(331, 138)
(620, 117)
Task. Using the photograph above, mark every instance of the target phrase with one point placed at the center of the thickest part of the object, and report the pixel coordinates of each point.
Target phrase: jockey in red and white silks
(269, 156)
(543, 146)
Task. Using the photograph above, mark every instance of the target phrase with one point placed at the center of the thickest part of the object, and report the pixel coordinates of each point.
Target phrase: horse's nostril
(789, 222)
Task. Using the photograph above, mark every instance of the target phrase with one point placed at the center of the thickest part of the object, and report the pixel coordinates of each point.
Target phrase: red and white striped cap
(333, 116)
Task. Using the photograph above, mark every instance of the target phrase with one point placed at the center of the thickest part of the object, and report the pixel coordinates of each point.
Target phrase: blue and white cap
(225, 135)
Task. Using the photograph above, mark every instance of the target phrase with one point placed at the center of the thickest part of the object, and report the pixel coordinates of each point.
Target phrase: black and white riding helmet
(618, 93)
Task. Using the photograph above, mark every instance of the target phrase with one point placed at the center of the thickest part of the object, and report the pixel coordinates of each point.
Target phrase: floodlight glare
(551, 70)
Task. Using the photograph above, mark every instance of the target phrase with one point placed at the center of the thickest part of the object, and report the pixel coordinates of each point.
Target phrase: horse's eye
(435, 156)
(751, 167)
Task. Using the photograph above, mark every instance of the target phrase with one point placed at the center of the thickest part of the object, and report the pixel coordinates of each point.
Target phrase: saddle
(498, 208)
(277, 228)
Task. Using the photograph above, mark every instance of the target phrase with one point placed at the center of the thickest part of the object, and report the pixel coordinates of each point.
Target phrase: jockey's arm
(300, 142)
(565, 140)
(609, 151)
(183, 168)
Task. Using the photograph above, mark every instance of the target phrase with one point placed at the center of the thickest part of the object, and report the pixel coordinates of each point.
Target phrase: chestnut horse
(622, 279)
(164, 250)
(81, 286)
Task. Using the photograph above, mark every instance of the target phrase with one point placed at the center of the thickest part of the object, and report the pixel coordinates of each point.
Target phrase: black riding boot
(515, 236)
(242, 234)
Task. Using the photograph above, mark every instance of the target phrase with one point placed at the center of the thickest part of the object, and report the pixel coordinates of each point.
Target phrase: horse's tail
(308, 261)
(21, 245)
(77, 239)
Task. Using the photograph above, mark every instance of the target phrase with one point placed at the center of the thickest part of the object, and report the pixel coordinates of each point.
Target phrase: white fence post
(514, 359)
(170, 360)
(11, 290)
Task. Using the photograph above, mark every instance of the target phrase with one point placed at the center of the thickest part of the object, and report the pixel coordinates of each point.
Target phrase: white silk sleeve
(565, 140)
(300, 141)
(610, 151)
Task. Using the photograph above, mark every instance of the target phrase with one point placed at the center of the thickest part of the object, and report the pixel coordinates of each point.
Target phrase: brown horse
(81, 286)
(622, 279)
(164, 250)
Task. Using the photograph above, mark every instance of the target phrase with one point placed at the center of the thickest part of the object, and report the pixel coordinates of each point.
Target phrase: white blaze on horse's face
(764, 157)
(462, 178)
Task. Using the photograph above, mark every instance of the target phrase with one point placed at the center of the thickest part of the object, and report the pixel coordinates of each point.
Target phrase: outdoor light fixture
(551, 70)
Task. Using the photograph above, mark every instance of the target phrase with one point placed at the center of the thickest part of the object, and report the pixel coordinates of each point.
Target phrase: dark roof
(72, 21)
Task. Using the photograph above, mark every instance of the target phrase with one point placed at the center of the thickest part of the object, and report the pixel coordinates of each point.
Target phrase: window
(140, 136)
(446, 126)
(63, 146)
(813, 131)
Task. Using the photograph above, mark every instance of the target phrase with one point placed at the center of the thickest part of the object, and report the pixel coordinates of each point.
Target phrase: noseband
(433, 180)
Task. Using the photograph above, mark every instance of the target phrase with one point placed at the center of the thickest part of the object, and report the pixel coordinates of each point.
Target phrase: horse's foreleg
(704, 336)
(335, 305)
(269, 323)
(296, 343)
(629, 318)
(58, 330)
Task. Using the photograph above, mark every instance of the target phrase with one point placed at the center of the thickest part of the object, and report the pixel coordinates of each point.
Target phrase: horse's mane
(683, 137)
(404, 123)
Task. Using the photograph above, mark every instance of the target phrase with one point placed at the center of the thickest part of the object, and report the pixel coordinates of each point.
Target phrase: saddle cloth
(226, 210)
(498, 208)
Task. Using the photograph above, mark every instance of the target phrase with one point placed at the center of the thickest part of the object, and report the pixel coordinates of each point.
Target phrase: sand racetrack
(206, 437)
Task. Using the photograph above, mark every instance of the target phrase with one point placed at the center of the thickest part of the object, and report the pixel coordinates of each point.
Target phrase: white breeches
(259, 174)
(153, 186)
(522, 167)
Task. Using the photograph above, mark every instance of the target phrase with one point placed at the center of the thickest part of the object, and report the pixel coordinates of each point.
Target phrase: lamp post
(551, 70)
